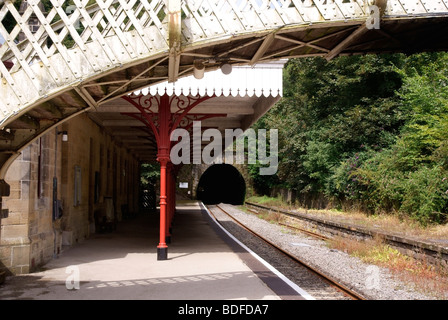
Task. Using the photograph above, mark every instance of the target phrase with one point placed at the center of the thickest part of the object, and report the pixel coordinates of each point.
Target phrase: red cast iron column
(170, 203)
(162, 123)
(163, 156)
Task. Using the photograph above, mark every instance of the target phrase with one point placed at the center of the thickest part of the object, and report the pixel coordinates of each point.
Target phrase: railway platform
(203, 264)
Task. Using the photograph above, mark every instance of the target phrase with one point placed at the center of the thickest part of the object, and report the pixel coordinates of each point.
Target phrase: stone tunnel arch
(221, 183)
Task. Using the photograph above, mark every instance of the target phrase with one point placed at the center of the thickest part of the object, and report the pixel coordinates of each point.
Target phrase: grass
(265, 200)
(273, 217)
(270, 216)
(430, 279)
(387, 222)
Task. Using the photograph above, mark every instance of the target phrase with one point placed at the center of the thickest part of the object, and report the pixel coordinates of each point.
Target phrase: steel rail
(310, 233)
(344, 289)
(420, 248)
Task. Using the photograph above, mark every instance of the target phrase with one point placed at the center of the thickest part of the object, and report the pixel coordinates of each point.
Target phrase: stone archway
(221, 183)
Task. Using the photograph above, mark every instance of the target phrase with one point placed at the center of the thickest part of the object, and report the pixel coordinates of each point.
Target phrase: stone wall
(103, 172)
(28, 237)
(15, 242)
(108, 175)
(190, 173)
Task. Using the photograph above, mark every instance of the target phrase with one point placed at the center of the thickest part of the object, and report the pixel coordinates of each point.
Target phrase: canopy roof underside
(236, 100)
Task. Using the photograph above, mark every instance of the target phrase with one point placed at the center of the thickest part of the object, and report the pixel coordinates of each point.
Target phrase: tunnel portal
(221, 183)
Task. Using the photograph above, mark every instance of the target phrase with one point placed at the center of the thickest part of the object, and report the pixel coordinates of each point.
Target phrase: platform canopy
(236, 100)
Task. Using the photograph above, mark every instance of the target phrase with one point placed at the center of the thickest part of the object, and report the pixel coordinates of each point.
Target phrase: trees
(331, 110)
(370, 129)
(412, 172)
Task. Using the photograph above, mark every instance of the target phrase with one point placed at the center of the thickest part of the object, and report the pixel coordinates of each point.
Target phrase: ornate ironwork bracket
(150, 108)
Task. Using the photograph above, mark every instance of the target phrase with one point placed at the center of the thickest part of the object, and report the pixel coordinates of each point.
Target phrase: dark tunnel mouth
(221, 183)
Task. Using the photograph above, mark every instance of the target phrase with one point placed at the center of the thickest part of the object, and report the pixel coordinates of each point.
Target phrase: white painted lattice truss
(114, 33)
(64, 60)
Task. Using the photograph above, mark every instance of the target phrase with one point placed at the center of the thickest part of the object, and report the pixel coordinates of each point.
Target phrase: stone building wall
(104, 173)
(190, 173)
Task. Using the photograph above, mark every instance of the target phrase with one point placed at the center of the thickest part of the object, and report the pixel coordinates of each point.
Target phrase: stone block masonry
(50, 169)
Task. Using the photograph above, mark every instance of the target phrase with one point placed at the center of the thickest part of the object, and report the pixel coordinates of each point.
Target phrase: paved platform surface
(123, 265)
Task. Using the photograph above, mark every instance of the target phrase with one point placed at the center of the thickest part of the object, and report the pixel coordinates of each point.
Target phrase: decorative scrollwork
(182, 102)
(187, 121)
(180, 118)
(148, 103)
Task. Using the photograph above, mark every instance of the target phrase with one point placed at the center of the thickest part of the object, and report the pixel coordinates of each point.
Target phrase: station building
(63, 185)
(83, 176)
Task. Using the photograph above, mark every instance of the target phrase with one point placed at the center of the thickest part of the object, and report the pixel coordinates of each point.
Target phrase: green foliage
(149, 174)
(331, 110)
(270, 201)
(371, 129)
(425, 195)
(411, 176)
(345, 181)
(261, 183)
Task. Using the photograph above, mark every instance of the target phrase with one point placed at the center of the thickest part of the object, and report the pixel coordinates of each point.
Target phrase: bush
(425, 195)
(344, 182)
(421, 194)
(370, 131)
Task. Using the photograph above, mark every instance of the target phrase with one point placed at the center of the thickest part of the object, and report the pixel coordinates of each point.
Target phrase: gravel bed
(373, 282)
(313, 284)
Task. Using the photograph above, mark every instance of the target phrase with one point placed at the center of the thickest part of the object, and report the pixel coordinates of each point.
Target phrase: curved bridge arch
(63, 62)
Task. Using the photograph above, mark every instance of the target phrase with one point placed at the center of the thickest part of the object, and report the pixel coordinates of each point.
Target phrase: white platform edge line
(295, 287)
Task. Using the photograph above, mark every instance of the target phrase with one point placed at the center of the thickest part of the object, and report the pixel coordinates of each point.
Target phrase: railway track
(418, 249)
(317, 284)
(295, 228)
